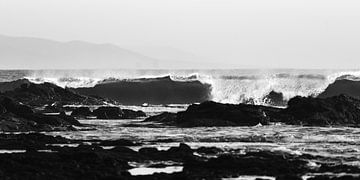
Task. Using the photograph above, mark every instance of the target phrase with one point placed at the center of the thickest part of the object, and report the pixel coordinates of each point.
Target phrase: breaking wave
(236, 86)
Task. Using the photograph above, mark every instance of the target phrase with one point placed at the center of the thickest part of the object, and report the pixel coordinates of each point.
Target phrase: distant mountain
(36, 53)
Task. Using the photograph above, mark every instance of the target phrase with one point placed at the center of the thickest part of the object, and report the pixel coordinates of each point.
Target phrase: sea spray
(227, 86)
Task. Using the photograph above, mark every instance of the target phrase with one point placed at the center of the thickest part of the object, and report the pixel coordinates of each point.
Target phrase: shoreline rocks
(18, 117)
(338, 110)
(107, 112)
(342, 86)
(40, 158)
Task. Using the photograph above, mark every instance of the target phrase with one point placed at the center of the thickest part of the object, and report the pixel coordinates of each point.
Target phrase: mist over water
(227, 86)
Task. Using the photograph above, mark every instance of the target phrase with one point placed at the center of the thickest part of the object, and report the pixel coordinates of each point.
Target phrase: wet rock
(342, 86)
(52, 109)
(215, 114)
(118, 142)
(14, 107)
(81, 112)
(209, 150)
(165, 118)
(337, 110)
(288, 177)
(275, 99)
(174, 153)
(31, 140)
(108, 113)
(323, 177)
(19, 117)
(257, 163)
(131, 114)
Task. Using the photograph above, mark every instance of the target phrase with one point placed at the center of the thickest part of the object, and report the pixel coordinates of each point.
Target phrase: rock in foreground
(92, 161)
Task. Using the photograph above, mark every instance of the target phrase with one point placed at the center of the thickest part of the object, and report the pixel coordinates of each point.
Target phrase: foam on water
(227, 86)
(337, 144)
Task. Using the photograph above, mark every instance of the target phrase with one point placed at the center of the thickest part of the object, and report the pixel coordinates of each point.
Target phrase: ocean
(227, 86)
(334, 144)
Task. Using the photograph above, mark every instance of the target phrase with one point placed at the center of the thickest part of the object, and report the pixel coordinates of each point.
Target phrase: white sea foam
(230, 86)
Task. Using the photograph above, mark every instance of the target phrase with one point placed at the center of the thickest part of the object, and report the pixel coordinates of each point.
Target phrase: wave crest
(228, 88)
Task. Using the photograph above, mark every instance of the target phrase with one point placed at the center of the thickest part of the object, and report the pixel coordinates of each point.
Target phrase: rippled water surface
(338, 144)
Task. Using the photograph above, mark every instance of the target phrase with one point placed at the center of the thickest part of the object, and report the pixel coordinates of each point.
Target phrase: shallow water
(335, 144)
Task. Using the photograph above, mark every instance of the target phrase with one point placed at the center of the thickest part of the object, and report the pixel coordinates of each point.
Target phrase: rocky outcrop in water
(81, 112)
(153, 91)
(338, 110)
(275, 99)
(18, 117)
(107, 112)
(342, 86)
(216, 114)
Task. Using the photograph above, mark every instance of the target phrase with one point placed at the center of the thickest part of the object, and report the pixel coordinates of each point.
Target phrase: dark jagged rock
(153, 91)
(32, 140)
(174, 153)
(342, 86)
(51, 109)
(108, 113)
(216, 114)
(275, 99)
(18, 117)
(119, 142)
(337, 110)
(209, 150)
(131, 114)
(257, 163)
(165, 118)
(10, 86)
(81, 112)
(44, 94)
(95, 162)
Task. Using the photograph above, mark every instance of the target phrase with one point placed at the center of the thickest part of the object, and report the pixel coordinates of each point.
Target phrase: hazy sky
(248, 33)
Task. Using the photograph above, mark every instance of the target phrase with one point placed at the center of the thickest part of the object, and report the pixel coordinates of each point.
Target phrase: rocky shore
(26, 107)
(37, 156)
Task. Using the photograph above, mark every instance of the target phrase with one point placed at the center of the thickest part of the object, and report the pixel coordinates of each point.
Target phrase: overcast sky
(247, 33)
